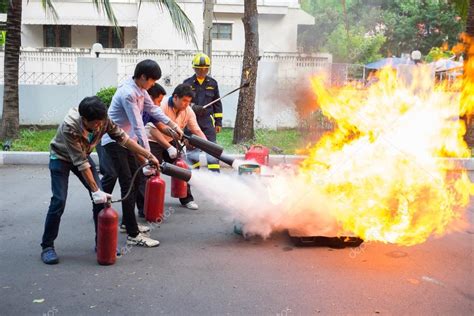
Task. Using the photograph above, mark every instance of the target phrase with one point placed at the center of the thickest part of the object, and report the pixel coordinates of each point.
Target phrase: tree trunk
(244, 129)
(466, 97)
(470, 19)
(10, 116)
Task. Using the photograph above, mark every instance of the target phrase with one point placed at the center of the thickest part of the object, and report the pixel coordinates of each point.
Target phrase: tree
(354, 46)
(467, 98)
(244, 127)
(420, 25)
(10, 117)
(348, 29)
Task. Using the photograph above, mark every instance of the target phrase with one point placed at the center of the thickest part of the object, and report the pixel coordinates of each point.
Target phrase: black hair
(92, 108)
(149, 68)
(156, 90)
(183, 90)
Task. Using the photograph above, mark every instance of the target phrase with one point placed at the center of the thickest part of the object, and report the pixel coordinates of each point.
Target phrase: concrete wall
(48, 104)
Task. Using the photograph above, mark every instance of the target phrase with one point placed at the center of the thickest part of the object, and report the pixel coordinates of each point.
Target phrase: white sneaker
(142, 240)
(192, 205)
(141, 228)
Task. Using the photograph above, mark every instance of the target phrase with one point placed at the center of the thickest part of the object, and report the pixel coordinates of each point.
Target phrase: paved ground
(201, 267)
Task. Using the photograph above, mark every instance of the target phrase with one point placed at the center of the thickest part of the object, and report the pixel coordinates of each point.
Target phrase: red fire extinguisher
(107, 227)
(179, 188)
(154, 199)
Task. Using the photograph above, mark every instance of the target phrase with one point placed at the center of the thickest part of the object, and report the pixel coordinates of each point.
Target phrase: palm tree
(9, 127)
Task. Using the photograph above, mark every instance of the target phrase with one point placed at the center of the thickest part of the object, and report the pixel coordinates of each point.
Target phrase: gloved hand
(172, 152)
(149, 171)
(199, 110)
(100, 197)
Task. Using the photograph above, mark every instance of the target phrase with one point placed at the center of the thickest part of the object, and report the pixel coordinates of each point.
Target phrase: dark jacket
(207, 92)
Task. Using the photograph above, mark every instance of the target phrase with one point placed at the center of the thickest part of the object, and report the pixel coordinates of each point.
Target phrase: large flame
(382, 174)
(382, 165)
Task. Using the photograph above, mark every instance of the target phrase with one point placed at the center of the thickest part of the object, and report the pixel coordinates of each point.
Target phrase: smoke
(263, 204)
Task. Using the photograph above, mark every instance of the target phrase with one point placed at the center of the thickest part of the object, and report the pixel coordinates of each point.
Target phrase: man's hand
(100, 197)
(199, 110)
(152, 159)
(149, 171)
(178, 131)
(170, 132)
(218, 129)
(172, 152)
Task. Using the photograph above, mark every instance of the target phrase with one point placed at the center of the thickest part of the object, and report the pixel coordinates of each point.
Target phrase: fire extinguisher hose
(131, 185)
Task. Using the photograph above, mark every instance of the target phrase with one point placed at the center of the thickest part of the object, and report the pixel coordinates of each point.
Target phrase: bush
(106, 94)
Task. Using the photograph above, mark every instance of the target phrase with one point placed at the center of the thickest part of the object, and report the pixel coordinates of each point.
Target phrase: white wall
(278, 22)
(155, 29)
(32, 35)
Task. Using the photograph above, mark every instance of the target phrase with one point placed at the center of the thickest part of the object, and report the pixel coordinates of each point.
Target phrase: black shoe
(49, 256)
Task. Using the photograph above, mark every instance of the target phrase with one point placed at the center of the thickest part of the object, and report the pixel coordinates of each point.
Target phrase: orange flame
(382, 164)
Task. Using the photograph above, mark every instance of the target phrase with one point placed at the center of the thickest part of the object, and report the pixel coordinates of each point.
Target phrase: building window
(108, 37)
(222, 31)
(57, 35)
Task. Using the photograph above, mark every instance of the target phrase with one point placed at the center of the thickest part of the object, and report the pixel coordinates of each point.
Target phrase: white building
(149, 27)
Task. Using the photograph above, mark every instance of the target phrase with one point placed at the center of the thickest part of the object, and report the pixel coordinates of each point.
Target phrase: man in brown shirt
(76, 137)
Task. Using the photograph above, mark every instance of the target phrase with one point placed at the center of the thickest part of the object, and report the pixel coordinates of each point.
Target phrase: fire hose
(165, 168)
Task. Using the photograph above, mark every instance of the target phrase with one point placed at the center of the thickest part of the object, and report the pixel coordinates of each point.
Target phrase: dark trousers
(125, 164)
(162, 155)
(60, 170)
(110, 176)
(193, 155)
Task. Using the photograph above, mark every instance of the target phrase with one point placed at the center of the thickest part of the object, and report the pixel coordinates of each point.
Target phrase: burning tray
(303, 239)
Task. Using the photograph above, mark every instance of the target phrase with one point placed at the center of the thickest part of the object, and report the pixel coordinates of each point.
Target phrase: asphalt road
(201, 267)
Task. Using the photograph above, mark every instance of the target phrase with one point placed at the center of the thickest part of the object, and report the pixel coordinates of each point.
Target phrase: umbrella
(392, 61)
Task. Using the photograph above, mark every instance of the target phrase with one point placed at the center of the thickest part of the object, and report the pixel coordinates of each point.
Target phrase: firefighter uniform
(206, 92)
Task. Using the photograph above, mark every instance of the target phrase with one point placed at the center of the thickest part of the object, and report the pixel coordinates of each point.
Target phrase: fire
(384, 165)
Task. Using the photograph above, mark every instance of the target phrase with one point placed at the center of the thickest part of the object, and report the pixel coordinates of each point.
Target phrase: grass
(33, 140)
(288, 140)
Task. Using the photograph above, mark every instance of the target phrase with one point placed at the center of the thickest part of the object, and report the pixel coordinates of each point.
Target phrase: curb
(42, 158)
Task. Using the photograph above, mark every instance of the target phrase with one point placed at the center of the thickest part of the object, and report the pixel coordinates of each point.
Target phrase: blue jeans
(60, 170)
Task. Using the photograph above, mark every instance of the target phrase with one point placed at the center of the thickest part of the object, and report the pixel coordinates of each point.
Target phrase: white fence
(278, 80)
(58, 66)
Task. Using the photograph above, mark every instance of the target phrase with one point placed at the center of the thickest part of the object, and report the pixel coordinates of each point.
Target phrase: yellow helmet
(201, 60)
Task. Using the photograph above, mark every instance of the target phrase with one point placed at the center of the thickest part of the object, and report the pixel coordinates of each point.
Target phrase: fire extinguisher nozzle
(176, 172)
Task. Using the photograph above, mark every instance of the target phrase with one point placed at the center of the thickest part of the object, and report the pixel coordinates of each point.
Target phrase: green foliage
(437, 53)
(369, 29)
(355, 46)
(106, 94)
(4, 6)
(420, 25)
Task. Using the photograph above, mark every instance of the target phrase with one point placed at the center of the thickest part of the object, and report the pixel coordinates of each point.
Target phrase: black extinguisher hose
(132, 183)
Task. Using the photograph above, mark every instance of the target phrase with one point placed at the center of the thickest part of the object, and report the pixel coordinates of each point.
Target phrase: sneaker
(49, 256)
(142, 240)
(191, 205)
(141, 228)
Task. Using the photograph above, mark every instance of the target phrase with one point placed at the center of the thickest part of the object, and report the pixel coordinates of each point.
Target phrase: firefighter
(209, 119)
